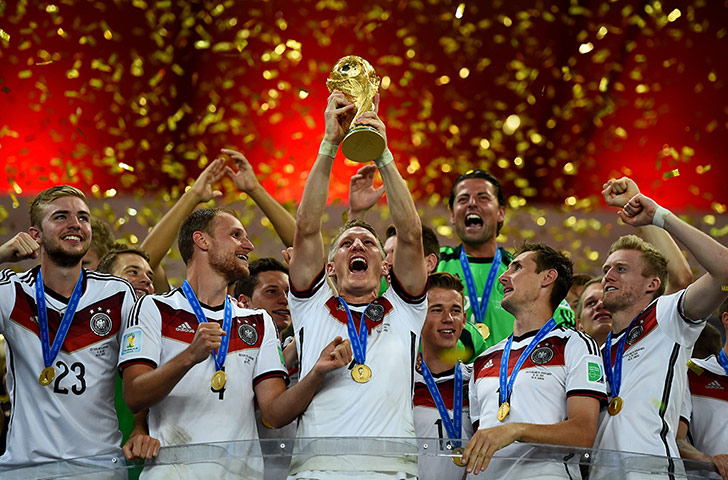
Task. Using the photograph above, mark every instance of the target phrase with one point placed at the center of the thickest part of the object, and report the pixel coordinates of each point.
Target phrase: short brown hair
(547, 258)
(654, 264)
(106, 264)
(246, 286)
(357, 222)
(198, 221)
(47, 196)
(446, 281)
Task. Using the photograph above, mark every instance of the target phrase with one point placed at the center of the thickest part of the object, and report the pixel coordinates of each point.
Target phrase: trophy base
(363, 144)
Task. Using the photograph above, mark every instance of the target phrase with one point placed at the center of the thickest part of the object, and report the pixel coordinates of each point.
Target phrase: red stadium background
(134, 98)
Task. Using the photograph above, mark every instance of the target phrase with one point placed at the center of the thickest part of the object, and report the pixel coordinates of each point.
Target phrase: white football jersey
(428, 423)
(654, 379)
(565, 363)
(74, 416)
(161, 327)
(709, 399)
(382, 407)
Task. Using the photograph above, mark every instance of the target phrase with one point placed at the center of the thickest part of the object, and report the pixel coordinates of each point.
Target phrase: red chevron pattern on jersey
(246, 332)
(337, 311)
(105, 314)
(708, 384)
(548, 353)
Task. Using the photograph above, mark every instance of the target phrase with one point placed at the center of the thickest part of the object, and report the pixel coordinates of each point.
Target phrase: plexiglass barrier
(346, 458)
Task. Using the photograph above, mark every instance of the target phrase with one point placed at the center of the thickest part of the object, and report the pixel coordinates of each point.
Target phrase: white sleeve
(474, 402)
(269, 362)
(671, 317)
(584, 368)
(141, 339)
(7, 293)
(686, 409)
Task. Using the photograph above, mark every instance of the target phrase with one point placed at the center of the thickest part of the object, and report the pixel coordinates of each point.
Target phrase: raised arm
(362, 194)
(164, 233)
(308, 244)
(246, 181)
(707, 292)
(617, 193)
(409, 263)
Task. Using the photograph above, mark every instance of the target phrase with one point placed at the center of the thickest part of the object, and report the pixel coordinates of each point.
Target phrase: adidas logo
(185, 327)
(715, 385)
(488, 364)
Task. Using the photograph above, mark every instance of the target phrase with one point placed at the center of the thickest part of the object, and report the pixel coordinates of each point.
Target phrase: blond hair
(654, 264)
(49, 195)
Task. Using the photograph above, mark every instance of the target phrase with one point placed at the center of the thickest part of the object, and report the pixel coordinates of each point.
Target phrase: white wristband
(329, 149)
(658, 219)
(385, 158)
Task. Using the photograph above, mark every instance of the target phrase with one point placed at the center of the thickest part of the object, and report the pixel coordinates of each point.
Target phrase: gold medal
(615, 406)
(218, 380)
(483, 329)
(361, 373)
(457, 457)
(47, 376)
(503, 411)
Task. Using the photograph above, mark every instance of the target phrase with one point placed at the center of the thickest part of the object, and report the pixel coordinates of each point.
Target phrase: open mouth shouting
(358, 265)
(473, 221)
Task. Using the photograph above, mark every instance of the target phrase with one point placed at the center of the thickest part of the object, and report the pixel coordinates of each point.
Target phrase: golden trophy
(356, 78)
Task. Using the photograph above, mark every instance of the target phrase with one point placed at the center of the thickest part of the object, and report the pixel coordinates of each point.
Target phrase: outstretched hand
(362, 194)
(212, 174)
(335, 355)
(617, 192)
(244, 179)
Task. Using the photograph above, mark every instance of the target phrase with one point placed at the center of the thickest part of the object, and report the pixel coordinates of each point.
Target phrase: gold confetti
(671, 174)
(4, 35)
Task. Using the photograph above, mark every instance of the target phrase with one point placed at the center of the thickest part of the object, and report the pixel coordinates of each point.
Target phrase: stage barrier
(343, 457)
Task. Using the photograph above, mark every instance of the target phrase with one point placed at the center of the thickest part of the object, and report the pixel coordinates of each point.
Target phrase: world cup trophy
(356, 78)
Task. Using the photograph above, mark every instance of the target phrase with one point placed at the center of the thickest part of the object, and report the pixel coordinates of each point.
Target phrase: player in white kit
(373, 398)
(706, 405)
(63, 336)
(652, 334)
(543, 384)
(169, 339)
(441, 384)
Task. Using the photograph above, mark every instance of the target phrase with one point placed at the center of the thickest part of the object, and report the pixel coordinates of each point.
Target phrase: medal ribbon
(506, 384)
(723, 360)
(453, 427)
(358, 342)
(227, 321)
(479, 308)
(50, 352)
(614, 376)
